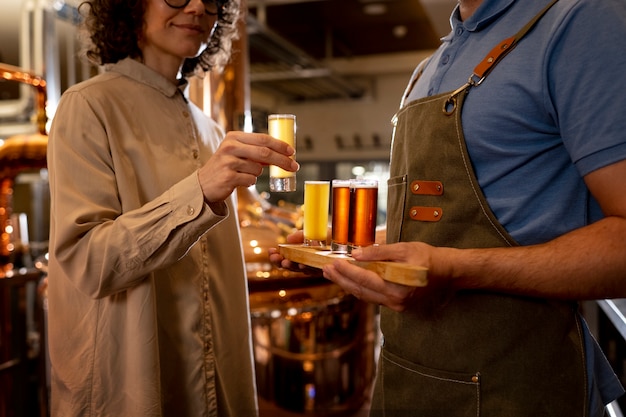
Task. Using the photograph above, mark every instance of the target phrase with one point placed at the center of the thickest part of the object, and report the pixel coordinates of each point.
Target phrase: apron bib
(468, 353)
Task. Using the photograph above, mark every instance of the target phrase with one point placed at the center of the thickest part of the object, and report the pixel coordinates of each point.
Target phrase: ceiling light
(400, 31)
(375, 9)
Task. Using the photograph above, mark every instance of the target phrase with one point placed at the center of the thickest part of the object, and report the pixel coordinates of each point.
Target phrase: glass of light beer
(316, 198)
(282, 127)
(340, 215)
(363, 213)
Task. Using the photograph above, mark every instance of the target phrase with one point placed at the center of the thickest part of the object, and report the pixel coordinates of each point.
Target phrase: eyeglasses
(210, 6)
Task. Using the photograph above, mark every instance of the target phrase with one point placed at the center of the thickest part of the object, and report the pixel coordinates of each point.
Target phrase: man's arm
(587, 263)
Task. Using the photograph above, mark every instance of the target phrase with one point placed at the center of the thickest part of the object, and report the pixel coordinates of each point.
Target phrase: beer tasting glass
(282, 127)
(363, 213)
(316, 196)
(340, 215)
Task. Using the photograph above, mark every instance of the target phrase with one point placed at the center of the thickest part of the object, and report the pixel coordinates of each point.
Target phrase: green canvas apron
(469, 353)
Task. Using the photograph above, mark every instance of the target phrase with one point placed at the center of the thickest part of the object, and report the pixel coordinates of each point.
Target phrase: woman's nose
(195, 6)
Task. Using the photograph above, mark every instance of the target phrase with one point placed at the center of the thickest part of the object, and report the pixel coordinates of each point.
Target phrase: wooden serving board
(400, 273)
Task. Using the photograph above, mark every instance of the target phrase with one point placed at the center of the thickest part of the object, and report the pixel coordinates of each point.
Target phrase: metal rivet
(490, 60)
(436, 213)
(416, 187)
(438, 187)
(413, 212)
(475, 378)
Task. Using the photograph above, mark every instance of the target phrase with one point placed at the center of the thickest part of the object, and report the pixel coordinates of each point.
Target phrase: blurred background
(341, 66)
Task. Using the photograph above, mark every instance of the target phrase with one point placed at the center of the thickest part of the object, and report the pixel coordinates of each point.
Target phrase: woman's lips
(191, 27)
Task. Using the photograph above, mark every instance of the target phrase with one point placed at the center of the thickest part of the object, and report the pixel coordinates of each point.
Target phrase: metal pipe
(12, 73)
(17, 154)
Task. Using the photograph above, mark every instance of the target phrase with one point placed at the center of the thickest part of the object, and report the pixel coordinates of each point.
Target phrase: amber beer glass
(363, 213)
(282, 127)
(316, 198)
(340, 215)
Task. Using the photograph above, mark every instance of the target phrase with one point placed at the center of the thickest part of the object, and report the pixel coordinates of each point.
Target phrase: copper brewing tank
(313, 343)
(17, 154)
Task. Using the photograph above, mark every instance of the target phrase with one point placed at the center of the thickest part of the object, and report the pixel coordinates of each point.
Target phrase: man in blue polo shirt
(520, 119)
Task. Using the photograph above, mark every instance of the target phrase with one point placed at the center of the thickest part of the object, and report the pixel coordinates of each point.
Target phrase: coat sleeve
(102, 247)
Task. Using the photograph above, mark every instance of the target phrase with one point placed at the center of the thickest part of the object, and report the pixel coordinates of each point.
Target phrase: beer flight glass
(354, 213)
(316, 198)
(340, 216)
(363, 212)
(282, 127)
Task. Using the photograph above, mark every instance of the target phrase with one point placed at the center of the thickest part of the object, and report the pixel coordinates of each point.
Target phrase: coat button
(190, 210)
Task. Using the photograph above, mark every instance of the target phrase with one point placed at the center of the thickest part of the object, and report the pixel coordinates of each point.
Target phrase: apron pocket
(427, 392)
(396, 194)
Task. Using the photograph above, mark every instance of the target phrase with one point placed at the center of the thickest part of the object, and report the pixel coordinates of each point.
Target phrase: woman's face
(170, 35)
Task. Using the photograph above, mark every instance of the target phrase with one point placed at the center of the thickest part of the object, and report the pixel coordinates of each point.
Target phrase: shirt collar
(137, 71)
(486, 13)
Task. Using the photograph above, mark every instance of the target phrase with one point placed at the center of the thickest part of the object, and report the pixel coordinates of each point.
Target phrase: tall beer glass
(340, 215)
(316, 198)
(363, 213)
(282, 127)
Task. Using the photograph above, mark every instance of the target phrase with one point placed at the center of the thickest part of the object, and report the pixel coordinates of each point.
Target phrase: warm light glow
(375, 9)
(400, 31)
(358, 170)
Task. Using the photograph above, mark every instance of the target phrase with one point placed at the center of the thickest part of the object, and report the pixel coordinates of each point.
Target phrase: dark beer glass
(340, 215)
(363, 212)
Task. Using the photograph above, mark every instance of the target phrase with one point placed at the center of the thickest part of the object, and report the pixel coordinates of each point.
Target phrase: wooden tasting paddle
(317, 257)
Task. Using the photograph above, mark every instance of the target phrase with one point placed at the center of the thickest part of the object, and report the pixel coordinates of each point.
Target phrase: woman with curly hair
(148, 302)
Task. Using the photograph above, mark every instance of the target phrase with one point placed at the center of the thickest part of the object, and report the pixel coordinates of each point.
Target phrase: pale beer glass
(316, 199)
(363, 213)
(340, 213)
(282, 127)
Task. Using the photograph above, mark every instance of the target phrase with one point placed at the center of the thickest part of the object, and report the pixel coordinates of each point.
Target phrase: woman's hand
(238, 162)
(281, 262)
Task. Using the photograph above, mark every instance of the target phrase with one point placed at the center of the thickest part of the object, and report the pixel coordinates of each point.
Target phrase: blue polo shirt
(552, 111)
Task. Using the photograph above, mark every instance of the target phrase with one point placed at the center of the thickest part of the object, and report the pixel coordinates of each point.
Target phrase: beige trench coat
(148, 302)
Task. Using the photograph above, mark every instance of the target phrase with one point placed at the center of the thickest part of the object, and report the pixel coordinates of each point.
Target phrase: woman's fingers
(238, 162)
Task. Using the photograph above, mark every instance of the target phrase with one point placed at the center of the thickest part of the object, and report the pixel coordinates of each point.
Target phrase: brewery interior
(341, 67)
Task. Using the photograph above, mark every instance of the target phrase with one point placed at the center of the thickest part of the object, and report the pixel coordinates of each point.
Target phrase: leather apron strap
(471, 353)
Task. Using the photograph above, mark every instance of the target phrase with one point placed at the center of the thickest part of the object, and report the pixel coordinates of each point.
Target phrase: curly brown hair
(113, 29)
